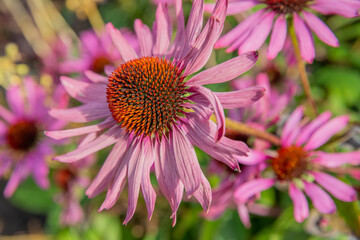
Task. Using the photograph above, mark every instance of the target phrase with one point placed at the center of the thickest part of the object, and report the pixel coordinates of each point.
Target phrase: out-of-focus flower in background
(23, 148)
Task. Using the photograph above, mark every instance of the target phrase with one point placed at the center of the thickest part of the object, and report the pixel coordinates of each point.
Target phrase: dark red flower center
(22, 135)
(287, 6)
(290, 163)
(145, 95)
(62, 178)
(99, 64)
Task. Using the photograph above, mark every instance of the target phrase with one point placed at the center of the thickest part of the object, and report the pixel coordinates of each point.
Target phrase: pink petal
(135, 172)
(18, 175)
(15, 99)
(337, 188)
(320, 199)
(244, 214)
(259, 34)
(95, 78)
(233, 8)
(104, 140)
(84, 113)
(320, 29)
(163, 31)
(254, 157)
(83, 91)
(195, 22)
(309, 129)
(240, 98)
(185, 161)
(36, 98)
(6, 114)
(217, 107)
(110, 169)
(178, 46)
(202, 48)
(301, 208)
(81, 131)
(251, 188)
(291, 125)
(278, 37)
(334, 160)
(146, 186)
(167, 177)
(306, 42)
(338, 7)
(202, 135)
(145, 38)
(203, 193)
(239, 30)
(326, 131)
(126, 51)
(225, 71)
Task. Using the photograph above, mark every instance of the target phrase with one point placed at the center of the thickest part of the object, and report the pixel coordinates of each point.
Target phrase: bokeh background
(32, 213)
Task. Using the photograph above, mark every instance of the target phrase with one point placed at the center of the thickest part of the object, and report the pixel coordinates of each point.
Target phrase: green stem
(302, 71)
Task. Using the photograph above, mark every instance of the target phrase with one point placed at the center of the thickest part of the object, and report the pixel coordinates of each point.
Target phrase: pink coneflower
(304, 169)
(252, 32)
(23, 148)
(96, 52)
(154, 114)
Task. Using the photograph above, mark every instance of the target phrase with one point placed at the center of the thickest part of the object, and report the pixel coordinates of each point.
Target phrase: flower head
(154, 112)
(303, 169)
(253, 31)
(24, 150)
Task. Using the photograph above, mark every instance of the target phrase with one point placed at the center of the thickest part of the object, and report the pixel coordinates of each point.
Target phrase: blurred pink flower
(154, 116)
(304, 169)
(97, 52)
(250, 34)
(23, 148)
(71, 180)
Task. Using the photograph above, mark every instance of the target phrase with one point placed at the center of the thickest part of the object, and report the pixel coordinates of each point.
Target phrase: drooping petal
(187, 165)
(203, 193)
(305, 39)
(167, 177)
(135, 172)
(321, 30)
(320, 199)
(112, 165)
(6, 114)
(254, 157)
(126, 51)
(83, 91)
(301, 207)
(326, 131)
(240, 98)
(217, 107)
(251, 188)
(19, 174)
(146, 186)
(244, 214)
(104, 140)
(109, 122)
(95, 78)
(337, 188)
(225, 71)
(84, 113)
(278, 37)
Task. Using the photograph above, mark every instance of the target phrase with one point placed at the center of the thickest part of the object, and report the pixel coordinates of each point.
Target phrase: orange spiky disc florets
(291, 162)
(145, 95)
